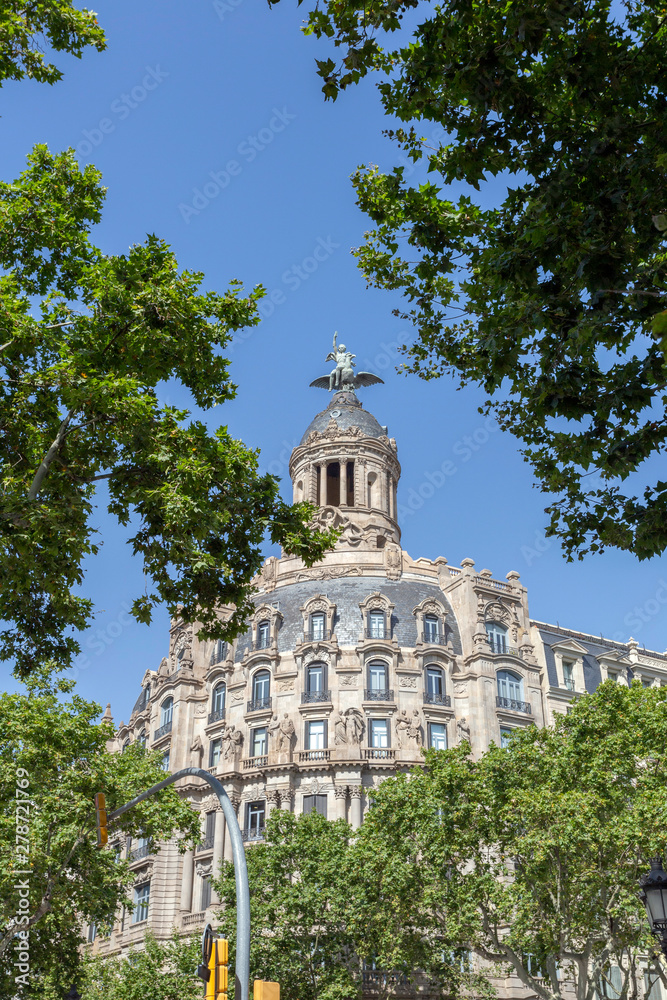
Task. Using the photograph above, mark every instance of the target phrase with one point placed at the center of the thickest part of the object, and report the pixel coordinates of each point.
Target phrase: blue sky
(210, 129)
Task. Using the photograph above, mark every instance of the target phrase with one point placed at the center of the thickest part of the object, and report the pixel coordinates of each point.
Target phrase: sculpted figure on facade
(340, 731)
(463, 730)
(285, 733)
(415, 727)
(232, 738)
(354, 726)
(273, 728)
(402, 726)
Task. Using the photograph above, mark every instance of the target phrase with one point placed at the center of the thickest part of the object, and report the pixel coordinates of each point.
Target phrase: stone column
(286, 796)
(271, 802)
(228, 841)
(343, 482)
(340, 793)
(186, 880)
(355, 807)
(218, 841)
(324, 499)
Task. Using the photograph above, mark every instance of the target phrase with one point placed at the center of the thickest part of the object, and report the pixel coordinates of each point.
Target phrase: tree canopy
(25, 28)
(529, 245)
(529, 856)
(53, 760)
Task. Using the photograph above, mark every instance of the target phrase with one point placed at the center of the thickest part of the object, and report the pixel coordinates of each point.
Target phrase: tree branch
(47, 461)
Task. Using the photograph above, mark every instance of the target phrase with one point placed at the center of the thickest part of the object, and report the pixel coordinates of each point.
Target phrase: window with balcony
(376, 624)
(431, 628)
(167, 711)
(264, 635)
(214, 753)
(141, 898)
(435, 685)
(255, 818)
(209, 831)
(261, 688)
(218, 702)
(377, 677)
(437, 736)
(510, 692)
(318, 623)
(497, 637)
(568, 675)
(316, 734)
(259, 742)
(315, 803)
(142, 738)
(219, 652)
(316, 684)
(379, 733)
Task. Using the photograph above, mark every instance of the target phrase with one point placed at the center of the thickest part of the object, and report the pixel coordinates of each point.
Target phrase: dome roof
(346, 411)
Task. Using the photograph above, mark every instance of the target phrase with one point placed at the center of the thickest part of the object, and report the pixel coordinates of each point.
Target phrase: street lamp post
(654, 898)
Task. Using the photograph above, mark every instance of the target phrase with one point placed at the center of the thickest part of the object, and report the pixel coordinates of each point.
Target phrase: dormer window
(376, 624)
(263, 635)
(318, 625)
(496, 635)
(568, 675)
(431, 628)
(218, 652)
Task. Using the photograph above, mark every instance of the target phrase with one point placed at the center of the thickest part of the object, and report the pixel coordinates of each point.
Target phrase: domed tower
(347, 465)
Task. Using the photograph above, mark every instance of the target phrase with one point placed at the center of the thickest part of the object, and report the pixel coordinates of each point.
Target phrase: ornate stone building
(346, 671)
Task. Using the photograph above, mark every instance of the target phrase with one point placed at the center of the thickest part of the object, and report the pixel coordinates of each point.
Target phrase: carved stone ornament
(269, 574)
(460, 688)
(200, 710)
(318, 654)
(497, 612)
(408, 728)
(332, 517)
(285, 686)
(182, 643)
(315, 787)
(203, 869)
(348, 680)
(327, 573)
(407, 682)
(144, 873)
(393, 560)
(463, 730)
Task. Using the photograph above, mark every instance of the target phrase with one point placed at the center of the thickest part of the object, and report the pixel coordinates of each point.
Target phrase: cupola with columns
(346, 464)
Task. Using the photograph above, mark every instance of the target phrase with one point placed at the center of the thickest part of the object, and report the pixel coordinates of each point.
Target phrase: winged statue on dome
(344, 378)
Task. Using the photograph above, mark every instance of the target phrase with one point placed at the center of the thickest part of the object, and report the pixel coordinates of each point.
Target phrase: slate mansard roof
(347, 593)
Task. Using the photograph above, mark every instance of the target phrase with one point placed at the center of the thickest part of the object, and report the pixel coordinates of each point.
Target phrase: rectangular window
(437, 736)
(379, 733)
(205, 898)
(377, 624)
(141, 897)
(612, 676)
(214, 754)
(317, 626)
(378, 677)
(259, 742)
(652, 985)
(317, 735)
(434, 681)
(611, 983)
(255, 817)
(165, 761)
(209, 833)
(647, 682)
(92, 933)
(315, 803)
(316, 679)
(505, 733)
(431, 628)
(568, 675)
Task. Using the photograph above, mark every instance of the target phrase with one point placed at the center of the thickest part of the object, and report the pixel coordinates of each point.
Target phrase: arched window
(376, 624)
(264, 635)
(372, 498)
(431, 628)
(218, 701)
(497, 636)
(435, 685)
(510, 689)
(167, 712)
(378, 681)
(317, 625)
(261, 687)
(141, 738)
(126, 744)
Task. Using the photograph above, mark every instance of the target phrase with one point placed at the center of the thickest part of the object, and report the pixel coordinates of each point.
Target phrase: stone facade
(346, 671)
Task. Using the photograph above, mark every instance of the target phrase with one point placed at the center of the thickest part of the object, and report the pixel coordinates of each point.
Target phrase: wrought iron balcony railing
(162, 731)
(206, 845)
(434, 638)
(437, 699)
(216, 716)
(317, 635)
(259, 705)
(263, 642)
(312, 697)
(377, 633)
(513, 705)
(140, 852)
(253, 833)
(378, 694)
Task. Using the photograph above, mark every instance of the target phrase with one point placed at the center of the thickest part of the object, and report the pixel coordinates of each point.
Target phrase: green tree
(156, 971)
(24, 28)
(530, 855)
(531, 250)
(53, 760)
(299, 907)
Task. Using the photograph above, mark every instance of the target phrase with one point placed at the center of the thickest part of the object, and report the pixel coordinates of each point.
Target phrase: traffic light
(101, 811)
(266, 991)
(221, 951)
